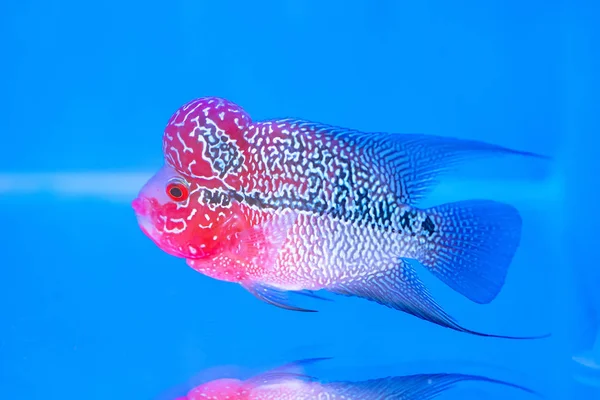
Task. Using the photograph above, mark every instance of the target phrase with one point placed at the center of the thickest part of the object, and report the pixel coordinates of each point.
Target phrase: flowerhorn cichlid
(287, 205)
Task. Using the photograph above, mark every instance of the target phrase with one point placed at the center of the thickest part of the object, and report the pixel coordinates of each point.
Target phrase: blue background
(91, 309)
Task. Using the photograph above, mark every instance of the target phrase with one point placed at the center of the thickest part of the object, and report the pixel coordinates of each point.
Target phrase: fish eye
(177, 191)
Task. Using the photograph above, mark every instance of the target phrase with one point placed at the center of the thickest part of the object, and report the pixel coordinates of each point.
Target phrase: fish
(288, 206)
(290, 381)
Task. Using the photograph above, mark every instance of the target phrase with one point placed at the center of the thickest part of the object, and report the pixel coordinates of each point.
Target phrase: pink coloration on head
(185, 218)
(203, 138)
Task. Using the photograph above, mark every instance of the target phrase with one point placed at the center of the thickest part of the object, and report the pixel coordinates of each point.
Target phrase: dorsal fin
(411, 164)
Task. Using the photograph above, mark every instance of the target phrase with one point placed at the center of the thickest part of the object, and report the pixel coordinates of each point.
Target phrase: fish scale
(321, 251)
(320, 176)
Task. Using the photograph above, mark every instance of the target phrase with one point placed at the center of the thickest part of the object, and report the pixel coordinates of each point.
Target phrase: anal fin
(400, 288)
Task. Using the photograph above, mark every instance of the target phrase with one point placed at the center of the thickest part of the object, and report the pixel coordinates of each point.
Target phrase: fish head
(184, 208)
(206, 138)
(182, 216)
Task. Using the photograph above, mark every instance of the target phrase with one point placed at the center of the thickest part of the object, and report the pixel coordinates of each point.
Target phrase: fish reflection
(290, 382)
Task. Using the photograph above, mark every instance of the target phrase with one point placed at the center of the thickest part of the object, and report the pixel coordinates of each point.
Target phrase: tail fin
(474, 244)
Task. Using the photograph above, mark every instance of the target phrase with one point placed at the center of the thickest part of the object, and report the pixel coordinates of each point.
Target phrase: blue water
(92, 309)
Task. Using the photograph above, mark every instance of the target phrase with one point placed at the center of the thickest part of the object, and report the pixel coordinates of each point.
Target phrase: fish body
(287, 205)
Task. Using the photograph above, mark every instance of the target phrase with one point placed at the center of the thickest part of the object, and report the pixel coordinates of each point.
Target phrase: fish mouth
(143, 212)
(146, 216)
(141, 206)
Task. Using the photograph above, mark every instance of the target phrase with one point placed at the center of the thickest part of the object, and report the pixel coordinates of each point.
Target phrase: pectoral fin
(260, 244)
(273, 296)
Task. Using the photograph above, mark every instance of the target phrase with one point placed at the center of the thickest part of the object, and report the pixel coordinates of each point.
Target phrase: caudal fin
(473, 244)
